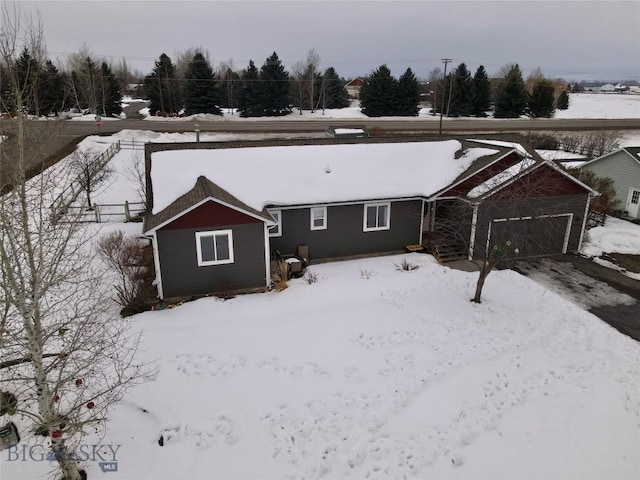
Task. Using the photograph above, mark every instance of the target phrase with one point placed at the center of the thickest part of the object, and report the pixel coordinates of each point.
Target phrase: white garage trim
(567, 232)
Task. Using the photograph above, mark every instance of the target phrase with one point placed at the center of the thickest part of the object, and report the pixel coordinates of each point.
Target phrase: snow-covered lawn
(581, 105)
(615, 236)
(373, 372)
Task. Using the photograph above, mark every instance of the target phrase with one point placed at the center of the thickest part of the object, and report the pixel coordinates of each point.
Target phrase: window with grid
(318, 218)
(214, 248)
(376, 216)
(635, 197)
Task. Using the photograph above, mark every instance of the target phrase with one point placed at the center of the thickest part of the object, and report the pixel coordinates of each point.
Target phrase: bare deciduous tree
(65, 356)
(90, 171)
(86, 77)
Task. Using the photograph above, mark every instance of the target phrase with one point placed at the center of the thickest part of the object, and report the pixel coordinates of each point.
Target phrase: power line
(446, 61)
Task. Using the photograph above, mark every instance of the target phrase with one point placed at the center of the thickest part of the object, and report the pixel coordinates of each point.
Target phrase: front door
(633, 202)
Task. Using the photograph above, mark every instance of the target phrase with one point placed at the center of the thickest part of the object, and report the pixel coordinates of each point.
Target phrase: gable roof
(633, 152)
(476, 166)
(525, 167)
(203, 190)
(358, 81)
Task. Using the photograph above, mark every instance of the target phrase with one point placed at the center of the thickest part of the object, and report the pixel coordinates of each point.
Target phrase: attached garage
(532, 236)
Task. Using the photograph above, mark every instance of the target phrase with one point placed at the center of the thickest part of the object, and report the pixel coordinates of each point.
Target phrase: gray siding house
(218, 216)
(623, 167)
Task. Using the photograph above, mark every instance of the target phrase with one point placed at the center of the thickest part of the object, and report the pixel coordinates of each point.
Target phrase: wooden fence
(132, 145)
(62, 202)
(101, 213)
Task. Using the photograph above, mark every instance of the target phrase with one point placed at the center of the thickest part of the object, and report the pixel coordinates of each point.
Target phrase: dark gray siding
(544, 236)
(344, 234)
(182, 276)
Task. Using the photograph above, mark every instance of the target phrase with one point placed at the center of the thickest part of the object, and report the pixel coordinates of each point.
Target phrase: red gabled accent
(541, 182)
(482, 175)
(210, 214)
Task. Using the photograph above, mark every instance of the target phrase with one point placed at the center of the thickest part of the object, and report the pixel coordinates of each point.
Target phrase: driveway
(607, 293)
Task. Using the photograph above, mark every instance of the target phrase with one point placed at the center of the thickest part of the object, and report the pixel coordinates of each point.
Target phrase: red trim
(210, 214)
(547, 182)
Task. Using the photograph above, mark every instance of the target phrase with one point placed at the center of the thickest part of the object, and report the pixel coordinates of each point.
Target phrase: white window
(214, 248)
(276, 230)
(318, 218)
(376, 216)
(635, 197)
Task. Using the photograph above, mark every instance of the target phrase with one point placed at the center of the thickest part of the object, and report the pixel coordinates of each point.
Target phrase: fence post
(97, 213)
(127, 215)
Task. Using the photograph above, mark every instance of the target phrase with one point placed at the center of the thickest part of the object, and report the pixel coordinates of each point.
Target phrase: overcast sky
(576, 40)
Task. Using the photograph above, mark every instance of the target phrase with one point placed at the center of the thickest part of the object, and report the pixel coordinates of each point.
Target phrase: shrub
(311, 277)
(280, 275)
(8, 403)
(132, 260)
(406, 266)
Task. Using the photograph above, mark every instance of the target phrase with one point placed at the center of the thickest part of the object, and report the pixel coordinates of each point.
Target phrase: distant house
(220, 212)
(607, 88)
(353, 87)
(623, 167)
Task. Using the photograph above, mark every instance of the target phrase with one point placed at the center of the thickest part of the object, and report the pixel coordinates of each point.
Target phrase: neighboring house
(353, 87)
(220, 212)
(607, 88)
(623, 167)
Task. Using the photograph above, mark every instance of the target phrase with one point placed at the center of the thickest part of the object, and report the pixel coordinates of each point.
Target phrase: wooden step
(449, 252)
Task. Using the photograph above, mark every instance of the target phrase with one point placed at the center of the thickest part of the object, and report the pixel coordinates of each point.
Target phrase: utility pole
(446, 61)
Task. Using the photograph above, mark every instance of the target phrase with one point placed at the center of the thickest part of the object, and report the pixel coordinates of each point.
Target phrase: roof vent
(328, 169)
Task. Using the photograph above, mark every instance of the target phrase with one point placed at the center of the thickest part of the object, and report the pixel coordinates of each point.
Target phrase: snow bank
(616, 236)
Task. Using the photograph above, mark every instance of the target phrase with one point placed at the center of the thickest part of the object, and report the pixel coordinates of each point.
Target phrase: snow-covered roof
(499, 143)
(500, 178)
(559, 155)
(311, 174)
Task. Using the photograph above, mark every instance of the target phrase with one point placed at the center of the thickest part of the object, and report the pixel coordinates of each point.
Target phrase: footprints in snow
(206, 434)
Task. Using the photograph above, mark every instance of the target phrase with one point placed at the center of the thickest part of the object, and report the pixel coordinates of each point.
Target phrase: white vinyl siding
(214, 248)
(318, 218)
(376, 216)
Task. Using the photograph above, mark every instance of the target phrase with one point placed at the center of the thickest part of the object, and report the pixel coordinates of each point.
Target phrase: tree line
(191, 85)
(85, 83)
(266, 91)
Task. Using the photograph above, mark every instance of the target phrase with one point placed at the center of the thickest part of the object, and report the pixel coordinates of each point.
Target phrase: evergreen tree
(200, 88)
(163, 87)
(336, 96)
(51, 91)
(541, 100)
(379, 93)
(511, 95)
(408, 95)
(110, 92)
(482, 90)
(7, 96)
(250, 99)
(462, 94)
(562, 102)
(274, 87)
(28, 77)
